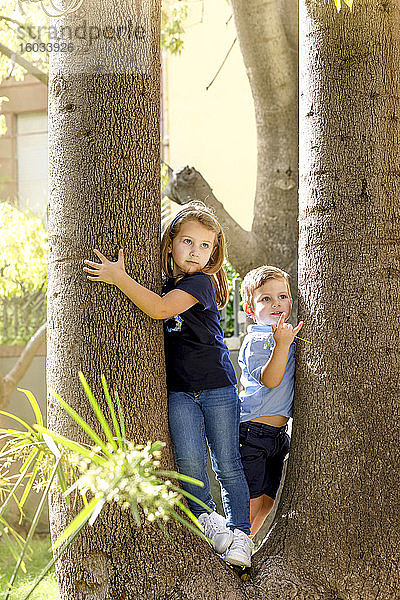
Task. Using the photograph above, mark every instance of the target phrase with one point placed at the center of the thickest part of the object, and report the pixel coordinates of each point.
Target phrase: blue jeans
(211, 416)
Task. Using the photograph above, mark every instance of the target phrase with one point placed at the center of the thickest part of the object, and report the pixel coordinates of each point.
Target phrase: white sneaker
(216, 530)
(240, 550)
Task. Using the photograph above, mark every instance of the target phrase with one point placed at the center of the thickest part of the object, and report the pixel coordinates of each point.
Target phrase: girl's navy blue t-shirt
(197, 358)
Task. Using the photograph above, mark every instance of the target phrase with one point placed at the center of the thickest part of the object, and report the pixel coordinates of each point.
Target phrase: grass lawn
(40, 556)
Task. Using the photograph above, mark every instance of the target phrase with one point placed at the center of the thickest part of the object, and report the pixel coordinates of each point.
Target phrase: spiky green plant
(111, 469)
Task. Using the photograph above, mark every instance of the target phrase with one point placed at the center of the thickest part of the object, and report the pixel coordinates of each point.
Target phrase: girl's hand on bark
(106, 270)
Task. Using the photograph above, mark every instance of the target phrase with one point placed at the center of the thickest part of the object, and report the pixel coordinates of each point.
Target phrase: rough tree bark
(336, 531)
(105, 193)
(267, 34)
(334, 536)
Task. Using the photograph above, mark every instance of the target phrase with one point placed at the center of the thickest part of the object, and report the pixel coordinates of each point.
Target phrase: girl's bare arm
(157, 307)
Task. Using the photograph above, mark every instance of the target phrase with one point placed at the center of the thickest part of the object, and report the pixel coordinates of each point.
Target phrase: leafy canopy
(23, 252)
(21, 22)
(25, 23)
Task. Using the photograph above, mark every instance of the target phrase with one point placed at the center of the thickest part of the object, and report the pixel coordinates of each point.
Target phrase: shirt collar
(256, 327)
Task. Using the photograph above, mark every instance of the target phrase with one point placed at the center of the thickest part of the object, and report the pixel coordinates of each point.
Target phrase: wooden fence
(21, 317)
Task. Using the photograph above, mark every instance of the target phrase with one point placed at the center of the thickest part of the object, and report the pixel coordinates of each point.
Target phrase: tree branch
(25, 64)
(271, 65)
(10, 20)
(222, 64)
(11, 380)
(246, 250)
(269, 61)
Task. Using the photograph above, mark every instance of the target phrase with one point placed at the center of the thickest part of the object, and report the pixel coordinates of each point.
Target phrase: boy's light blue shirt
(256, 399)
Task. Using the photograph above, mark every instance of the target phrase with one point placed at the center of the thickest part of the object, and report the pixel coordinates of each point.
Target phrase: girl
(203, 404)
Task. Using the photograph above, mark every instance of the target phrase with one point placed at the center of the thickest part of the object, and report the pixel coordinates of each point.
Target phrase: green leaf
(52, 446)
(13, 432)
(32, 528)
(188, 513)
(112, 411)
(179, 476)
(190, 496)
(97, 511)
(24, 471)
(28, 427)
(62, 481)
(187, 524)
(338, 5)
(99, 413)
(28, 460)
(72, 488)
(34, 404)
(5, 532)
(31, 478)
(91, 433)
(135, 512)
(349, 4)
(165, 532)
(156, 446)
(80, 519)
(121, 418)
(74, 446)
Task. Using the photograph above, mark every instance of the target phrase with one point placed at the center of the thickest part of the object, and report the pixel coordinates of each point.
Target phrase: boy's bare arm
(155, 306)
(273, 371)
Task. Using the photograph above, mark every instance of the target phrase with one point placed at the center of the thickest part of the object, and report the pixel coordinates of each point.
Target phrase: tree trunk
(105, 193)
(334, 536)
(336, 531)
(271, 65)
(267, 33)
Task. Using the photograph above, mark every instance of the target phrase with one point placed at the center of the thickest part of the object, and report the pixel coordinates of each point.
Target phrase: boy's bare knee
(268, 504)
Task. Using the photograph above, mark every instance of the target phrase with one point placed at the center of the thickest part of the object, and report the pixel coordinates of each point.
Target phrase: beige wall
(214, 130)
(27, 96)
(34, 380)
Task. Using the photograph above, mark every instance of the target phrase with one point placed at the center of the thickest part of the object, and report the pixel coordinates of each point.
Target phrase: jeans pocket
(243, 432)
(285, 444)
(256, 431)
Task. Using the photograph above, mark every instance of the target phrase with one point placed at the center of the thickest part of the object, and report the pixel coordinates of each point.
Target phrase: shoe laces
(214, 524)
(241, 540)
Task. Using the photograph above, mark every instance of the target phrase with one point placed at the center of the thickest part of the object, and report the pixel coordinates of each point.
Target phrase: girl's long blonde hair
(197, 211)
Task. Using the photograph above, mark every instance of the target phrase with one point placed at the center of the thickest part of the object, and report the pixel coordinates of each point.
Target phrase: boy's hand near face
(284, 333)
(273, 371)
(106, 270)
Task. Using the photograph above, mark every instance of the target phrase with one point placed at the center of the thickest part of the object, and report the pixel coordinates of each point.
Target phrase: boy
(267, 360)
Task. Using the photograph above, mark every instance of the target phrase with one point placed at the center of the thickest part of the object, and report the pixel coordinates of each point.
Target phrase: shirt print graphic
(173, 323)
(268, 342)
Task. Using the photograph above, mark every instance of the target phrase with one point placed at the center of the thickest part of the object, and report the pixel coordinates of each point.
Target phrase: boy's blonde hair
(257, 277)
(199, 212)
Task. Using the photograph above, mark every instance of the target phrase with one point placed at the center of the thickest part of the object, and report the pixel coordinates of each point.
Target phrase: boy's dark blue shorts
(263, 449)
